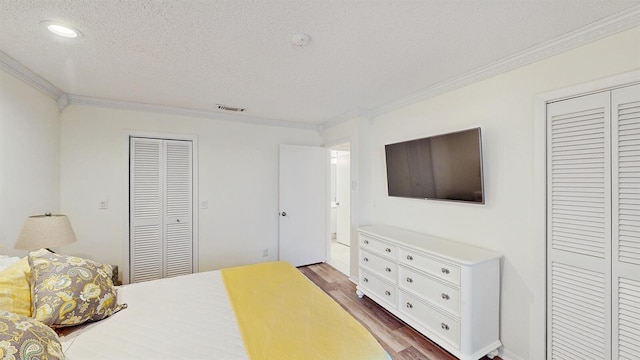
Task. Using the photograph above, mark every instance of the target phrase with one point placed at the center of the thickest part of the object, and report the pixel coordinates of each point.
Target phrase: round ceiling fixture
(61, 30)
(301, 39)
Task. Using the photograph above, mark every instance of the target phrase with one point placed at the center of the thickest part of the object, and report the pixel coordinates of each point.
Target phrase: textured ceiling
(196, 54)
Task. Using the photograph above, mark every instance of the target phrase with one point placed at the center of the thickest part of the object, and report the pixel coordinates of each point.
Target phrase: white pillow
(5, 261)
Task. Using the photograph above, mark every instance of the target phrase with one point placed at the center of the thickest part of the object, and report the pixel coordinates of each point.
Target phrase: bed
(262, 311)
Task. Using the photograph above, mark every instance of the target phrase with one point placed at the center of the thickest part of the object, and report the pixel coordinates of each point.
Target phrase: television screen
(441, 167)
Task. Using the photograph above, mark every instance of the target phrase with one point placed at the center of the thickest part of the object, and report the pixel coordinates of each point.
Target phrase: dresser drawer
(379, 287)
(435, 267)
(445, 326)
(378, 246)
(379, 266)
(433, 291)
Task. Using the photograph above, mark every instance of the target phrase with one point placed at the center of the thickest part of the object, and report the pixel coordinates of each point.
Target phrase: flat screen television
(441, 167)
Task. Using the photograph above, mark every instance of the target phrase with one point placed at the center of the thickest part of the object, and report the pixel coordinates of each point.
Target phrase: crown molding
(171, 110)
(359, 112)
(13, 67)
(16, 69)
(21, 72)
(590, 33)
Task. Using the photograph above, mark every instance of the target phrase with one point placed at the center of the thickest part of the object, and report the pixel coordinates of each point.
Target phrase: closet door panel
(626, 197)
(579, 228)
(579, 323)
(626, 322)
(626, 225)
(146, 209)
(578, 170)
(178, 205)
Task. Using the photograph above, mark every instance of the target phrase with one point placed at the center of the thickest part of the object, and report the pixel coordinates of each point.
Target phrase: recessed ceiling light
(62, 30)
(301, 39)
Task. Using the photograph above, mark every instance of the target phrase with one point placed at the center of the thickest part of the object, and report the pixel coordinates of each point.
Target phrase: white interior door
(343, 197)
(303, 210)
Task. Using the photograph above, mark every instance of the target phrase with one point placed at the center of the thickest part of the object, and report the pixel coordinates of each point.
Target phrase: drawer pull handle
(387, 292)
(444, 326)
(409, 305)
(387, 250)
(366, 242)
(409, 257)
(365, 280)
(445, 270)
(409, 280)
(445, 296)
(387, 269)
(365, 259)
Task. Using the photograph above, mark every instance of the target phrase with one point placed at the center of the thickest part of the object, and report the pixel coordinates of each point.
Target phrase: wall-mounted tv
(441, 167)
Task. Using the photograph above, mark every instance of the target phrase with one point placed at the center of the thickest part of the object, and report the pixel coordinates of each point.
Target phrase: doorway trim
(126, 135)
(538, 334)
(331, 146)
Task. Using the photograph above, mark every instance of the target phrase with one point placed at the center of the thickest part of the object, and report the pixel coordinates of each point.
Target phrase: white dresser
(448, 291)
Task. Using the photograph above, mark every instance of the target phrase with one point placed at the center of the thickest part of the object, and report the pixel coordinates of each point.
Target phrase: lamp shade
(45, 231)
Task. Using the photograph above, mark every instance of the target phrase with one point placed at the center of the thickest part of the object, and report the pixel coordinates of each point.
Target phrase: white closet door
(178, 208)
(161, 208)
(579, 228)
(146, 189)
(626, 226)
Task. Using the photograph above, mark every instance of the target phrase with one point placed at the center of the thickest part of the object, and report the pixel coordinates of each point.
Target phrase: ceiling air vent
(230, 108)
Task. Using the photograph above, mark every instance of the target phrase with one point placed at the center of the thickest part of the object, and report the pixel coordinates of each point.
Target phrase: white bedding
(5, 261)
(147, 329)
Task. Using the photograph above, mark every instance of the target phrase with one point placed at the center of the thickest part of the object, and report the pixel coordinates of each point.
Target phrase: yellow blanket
(282, 315)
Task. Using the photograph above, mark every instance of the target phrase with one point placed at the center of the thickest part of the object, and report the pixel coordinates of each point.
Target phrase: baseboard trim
(505, 354)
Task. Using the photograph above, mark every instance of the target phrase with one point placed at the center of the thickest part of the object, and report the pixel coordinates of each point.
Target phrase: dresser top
(448, 249)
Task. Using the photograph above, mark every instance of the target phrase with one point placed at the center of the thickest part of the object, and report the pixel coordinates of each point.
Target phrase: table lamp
(45, 231)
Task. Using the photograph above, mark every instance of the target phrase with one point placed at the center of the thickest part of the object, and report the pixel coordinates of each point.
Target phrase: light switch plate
(103, 204)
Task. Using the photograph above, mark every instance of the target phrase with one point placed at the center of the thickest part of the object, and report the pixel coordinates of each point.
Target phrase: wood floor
(396, 337)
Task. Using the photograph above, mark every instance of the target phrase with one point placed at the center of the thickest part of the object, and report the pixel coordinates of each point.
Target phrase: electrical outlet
(103, 204)
(265, 252)
(204, 204)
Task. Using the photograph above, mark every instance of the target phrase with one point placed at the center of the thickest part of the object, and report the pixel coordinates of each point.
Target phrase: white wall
(238, 176)
(503, 107)
(29, 160)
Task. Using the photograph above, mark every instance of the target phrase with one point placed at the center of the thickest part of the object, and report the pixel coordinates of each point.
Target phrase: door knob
(284, 213)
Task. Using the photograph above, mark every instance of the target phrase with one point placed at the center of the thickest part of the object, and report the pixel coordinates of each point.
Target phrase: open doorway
(340, 208)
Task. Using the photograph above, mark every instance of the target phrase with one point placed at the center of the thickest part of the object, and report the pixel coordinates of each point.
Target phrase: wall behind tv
(503, 106)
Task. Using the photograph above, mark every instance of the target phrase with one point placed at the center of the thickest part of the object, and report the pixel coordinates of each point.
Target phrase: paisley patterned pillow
(69, 290)
(22, 337)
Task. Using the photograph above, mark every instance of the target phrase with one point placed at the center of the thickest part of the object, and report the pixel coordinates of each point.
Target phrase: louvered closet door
(579, 229)
(626, 225)
(178, 207)
(161, 201)
(146, 220)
